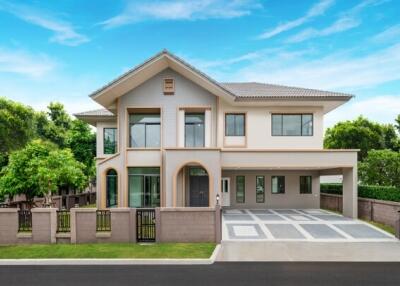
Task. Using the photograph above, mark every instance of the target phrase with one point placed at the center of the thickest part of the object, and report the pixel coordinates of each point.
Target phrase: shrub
(370, 192)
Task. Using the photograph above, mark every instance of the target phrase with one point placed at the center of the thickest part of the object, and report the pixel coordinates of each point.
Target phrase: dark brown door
(198, 191)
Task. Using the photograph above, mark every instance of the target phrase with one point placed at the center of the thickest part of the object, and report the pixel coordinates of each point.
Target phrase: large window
(111, 188)
(194, 129)
(260, 189)
(234, 124)
(144, 187)
(144, 130)
(240, 189)
(278, 184)
(292, 124)
(305, 184)
(110, 140)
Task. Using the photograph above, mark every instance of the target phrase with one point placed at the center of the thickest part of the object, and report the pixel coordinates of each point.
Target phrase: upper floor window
(234, 124)
(292, 124)
(194, 129)
(110, 140)
(145, 130)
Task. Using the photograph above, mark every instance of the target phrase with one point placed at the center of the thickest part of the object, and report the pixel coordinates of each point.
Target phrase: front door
(225, 191)
(198, 191)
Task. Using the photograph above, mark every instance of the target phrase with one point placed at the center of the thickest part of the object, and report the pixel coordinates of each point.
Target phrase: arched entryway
(192, 186)
(111, 188)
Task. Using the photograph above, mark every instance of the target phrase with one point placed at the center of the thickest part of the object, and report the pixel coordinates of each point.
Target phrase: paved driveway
(297, 225)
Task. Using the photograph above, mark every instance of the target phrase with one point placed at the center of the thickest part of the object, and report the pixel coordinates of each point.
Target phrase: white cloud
(348, 20)
(341, 25)
(181, 10)
(24, 63)
(317, 10)
(390, 34)
(337, 71)
(383, 109)
(64, 32)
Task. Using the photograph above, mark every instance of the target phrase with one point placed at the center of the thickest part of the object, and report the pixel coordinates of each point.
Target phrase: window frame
(244, 189)
(301, 125)
(234, 123)
(308, 192)
(263, 192)
(272, 185)
(193, 124)
(115, 177)
(115, 143)
(145, 130)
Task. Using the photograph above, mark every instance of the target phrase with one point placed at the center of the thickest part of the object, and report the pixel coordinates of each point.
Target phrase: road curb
(127, 261)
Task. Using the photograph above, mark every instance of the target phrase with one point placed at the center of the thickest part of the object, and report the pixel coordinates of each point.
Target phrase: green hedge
(370, 192)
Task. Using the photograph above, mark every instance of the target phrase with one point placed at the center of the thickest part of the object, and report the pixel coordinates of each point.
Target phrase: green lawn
(114, 250)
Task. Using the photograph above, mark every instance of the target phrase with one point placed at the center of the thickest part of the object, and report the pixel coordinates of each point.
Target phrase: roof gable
(141, 73)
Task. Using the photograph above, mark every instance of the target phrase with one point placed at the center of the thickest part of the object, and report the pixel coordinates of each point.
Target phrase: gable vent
(169, 86)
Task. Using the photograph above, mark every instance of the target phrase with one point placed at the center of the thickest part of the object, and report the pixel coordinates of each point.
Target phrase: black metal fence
(145, 225)
(103, 220)
(63, 221)
(24, 220)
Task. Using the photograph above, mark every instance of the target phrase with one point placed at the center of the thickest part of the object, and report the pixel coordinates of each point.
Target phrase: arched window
(111, 188)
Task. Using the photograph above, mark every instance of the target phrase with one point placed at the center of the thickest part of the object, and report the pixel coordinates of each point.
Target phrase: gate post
(218, 229)
(158, 225)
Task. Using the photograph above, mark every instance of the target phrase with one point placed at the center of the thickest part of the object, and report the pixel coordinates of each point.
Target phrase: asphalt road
(233, 273)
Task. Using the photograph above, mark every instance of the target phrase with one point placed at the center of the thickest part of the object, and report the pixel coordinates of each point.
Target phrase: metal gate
(145, 225)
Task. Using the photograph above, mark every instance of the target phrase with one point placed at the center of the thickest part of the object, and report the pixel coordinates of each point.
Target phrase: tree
(361, 134)
(40, 169)
(381, 167)
(82, 142)
(58, 115)
(16, 127)
(47, 130)
(398, 123)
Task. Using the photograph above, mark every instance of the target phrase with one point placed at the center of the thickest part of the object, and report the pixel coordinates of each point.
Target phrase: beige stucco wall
(290, 199)
(258, 127)
(150, 94)
(175, 159)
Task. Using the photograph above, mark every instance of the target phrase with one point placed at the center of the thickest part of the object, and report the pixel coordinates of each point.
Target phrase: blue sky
(63, 50)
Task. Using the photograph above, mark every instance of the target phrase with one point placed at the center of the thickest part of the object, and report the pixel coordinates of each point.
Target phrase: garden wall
(87, 225)
(385, 212)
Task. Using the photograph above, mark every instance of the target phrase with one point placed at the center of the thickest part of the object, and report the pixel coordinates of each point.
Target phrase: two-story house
(171, 136)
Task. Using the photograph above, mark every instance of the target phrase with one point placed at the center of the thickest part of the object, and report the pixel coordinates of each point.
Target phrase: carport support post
(350, 192)
(397, 226)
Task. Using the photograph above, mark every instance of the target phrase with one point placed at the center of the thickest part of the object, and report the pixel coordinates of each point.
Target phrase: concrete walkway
(312, 225)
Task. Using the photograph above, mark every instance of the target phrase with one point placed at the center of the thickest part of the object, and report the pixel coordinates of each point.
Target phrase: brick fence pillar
(8, 225)
(397, 228)
(83, 225)
(44, 225)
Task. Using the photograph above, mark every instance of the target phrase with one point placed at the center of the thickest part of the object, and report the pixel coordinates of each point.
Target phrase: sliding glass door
(144, 187)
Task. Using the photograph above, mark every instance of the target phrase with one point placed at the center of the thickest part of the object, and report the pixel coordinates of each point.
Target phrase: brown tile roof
(97, 112)
(257, 90)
